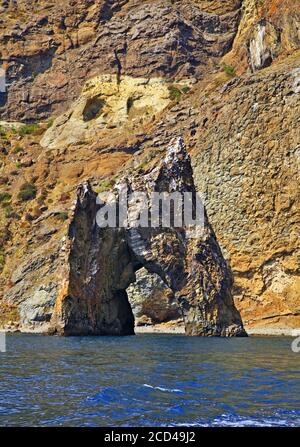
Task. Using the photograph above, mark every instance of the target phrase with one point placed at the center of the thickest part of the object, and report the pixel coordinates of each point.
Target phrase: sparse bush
(5, 197)
(143, 166)
(9, 212)
(50, 122)
(3, 134)
(185, 89)
(106, 185)
(27, 191)
(175, 93)
(2, 256)
(62, 216)
(18, 149)
(28, 129)
(229, 70)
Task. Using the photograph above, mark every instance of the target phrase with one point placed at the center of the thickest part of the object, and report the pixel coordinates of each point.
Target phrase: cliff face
(268, 32)
(247, 165)
(84, 281)
(223, 74)
(41, 49)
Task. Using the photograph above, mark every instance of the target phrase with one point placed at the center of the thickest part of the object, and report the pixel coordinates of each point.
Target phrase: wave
(160, 388)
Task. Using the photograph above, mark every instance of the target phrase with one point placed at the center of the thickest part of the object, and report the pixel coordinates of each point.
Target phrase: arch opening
(102, 263)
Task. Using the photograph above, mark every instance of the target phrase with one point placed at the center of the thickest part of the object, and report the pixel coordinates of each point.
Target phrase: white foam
(168, 390)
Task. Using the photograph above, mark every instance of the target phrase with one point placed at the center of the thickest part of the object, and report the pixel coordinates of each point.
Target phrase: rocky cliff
(100, 263)
(43, 42)
(107, 84)
(84, 281)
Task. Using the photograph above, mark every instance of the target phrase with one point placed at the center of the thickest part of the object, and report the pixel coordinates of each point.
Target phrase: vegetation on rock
(27, 191)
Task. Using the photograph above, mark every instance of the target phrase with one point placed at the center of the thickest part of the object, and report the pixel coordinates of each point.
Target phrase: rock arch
(100, 263)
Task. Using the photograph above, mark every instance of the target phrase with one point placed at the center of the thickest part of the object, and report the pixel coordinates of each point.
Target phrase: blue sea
(149, 380)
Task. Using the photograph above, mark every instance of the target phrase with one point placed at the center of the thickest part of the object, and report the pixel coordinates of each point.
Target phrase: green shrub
(2, 256)
(3, 133)
(106, 185)
(18, 149)
(9, 212)
(229, 70)
(18, 164)
(50, 122)
(62, 216)
(185, 89)
(175, 93)
(28, 129)
(27, 191)
(5, 197)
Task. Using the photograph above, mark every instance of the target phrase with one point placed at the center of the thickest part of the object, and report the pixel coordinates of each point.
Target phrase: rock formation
(101, 262)
(109, 103)
(224, 74)
(87, 38)
(248, 160)
(152, 301)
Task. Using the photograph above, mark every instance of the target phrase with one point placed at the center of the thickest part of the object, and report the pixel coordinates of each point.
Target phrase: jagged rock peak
(84, 191)
(176, 152)
(102, 262)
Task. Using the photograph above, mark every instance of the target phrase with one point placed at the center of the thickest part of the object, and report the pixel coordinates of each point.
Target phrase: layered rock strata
(42, 43)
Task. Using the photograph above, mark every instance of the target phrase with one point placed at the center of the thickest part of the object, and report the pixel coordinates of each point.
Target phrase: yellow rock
(107, 102)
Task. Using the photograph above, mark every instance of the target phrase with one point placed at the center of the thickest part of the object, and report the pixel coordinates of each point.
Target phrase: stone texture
(268, 30)
(101, 263)
(247, 166)
(42, 45)
(151, 300)
(242, 133)
(145, 39)
(107, 102)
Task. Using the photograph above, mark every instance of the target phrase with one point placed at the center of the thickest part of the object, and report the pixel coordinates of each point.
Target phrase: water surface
(149, 380)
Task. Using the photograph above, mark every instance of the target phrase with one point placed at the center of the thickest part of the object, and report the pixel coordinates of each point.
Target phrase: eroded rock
(101, 262)
(109, 103)
(90, 38)
(152, 301)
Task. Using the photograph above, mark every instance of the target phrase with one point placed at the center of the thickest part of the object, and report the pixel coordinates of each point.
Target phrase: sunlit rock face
(246, 163)
(268, 31)
(263, 46)
(108, 103)
(171, 39)
(101, 263)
